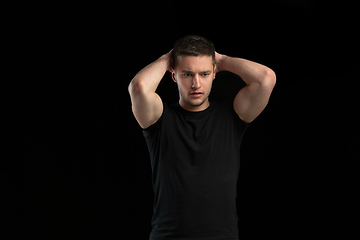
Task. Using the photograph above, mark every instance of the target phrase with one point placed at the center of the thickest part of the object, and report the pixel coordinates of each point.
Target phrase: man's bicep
(251, 101)
(147, 109)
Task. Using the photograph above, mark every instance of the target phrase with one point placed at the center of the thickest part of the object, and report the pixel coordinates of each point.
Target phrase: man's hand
(169, 59)
(218, 61)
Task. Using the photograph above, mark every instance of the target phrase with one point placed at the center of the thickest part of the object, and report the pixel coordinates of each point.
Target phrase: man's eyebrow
(186, 71)
(189, 71)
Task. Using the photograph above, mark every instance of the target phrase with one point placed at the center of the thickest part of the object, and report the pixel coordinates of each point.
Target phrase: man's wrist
(167, 58)
(220, 60)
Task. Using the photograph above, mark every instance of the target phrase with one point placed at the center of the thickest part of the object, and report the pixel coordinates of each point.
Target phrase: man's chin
(196, 102)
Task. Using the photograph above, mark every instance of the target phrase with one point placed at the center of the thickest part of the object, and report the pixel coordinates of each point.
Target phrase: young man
(194, 144)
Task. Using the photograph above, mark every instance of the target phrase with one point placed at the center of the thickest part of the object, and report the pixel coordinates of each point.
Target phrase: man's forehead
(187, 58)
(195, 63)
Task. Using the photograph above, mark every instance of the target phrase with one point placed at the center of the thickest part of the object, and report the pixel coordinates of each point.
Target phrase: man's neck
(190, 108)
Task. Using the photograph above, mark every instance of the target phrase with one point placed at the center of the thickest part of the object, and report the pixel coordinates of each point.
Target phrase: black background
(86, 171)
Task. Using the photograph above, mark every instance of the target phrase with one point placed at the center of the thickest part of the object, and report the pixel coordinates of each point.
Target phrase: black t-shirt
(195, 160)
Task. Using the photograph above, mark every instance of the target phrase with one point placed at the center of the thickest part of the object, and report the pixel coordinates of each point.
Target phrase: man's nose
(196, 82)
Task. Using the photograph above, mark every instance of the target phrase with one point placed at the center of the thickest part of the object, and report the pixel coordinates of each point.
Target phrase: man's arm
(146, 104)
(253, 98)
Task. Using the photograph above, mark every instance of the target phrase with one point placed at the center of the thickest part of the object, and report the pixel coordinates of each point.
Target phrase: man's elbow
(269, 79)
(136, 86)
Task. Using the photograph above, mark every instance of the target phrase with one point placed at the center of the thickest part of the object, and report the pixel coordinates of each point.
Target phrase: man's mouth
(196, 94)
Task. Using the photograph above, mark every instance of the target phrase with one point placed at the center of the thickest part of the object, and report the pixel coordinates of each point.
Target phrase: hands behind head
(168, 57)
(218, 60)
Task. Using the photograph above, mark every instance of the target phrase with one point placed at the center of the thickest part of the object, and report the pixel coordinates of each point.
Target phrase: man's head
(194, 71)
(192, 45)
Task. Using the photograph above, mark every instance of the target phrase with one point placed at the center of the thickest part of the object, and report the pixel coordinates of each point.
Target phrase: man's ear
(173, 76)
(215, 71)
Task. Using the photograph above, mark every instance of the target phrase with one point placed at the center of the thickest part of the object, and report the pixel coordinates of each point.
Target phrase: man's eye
(205, 74)
(186, 74)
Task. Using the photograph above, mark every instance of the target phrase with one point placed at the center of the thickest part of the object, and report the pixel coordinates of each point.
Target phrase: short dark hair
(193, 45)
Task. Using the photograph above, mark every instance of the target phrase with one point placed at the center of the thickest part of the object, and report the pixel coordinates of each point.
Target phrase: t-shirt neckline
(195, 113)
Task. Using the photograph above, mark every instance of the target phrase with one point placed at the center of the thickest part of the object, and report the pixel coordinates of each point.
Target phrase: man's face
(194, 76)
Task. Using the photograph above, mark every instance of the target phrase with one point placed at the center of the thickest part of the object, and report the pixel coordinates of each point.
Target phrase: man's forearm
(250, 72)
(149, 77)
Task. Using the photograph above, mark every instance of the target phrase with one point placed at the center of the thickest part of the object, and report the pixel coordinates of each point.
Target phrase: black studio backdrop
(86, 170)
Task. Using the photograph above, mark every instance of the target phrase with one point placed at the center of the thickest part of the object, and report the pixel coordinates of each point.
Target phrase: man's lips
(196, 94)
